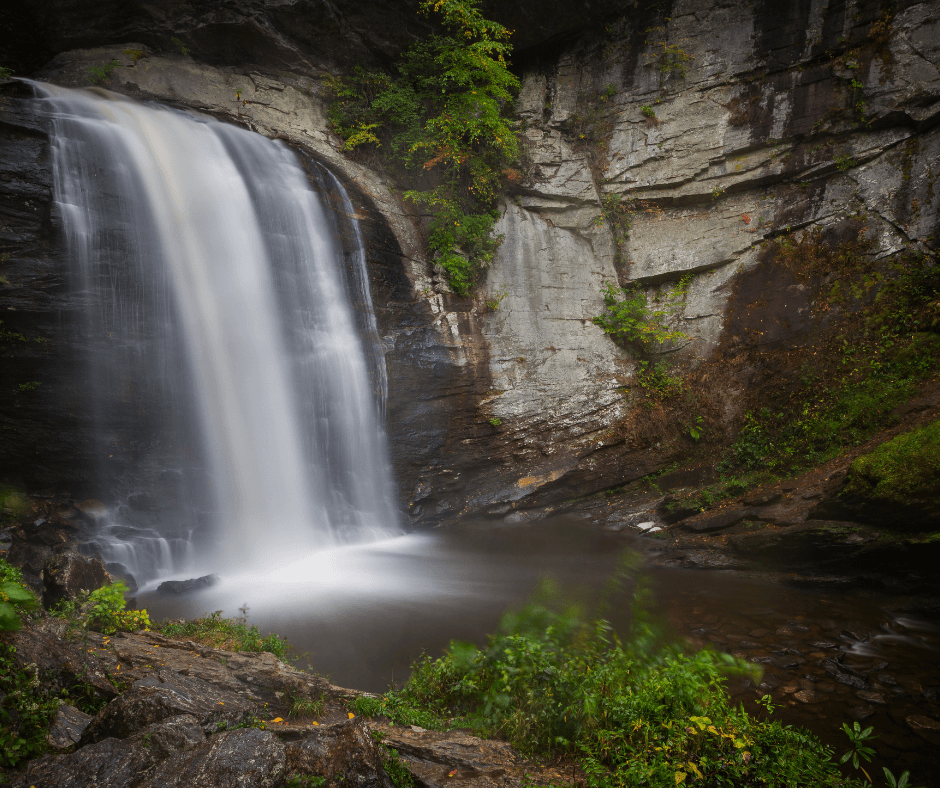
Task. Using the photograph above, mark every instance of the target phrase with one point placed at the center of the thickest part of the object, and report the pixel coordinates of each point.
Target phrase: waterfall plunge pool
(360, 614)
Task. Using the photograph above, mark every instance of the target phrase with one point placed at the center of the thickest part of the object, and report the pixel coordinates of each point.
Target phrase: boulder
(65, 576)
(247, 758)
(67, 728)
(112, 763)
(345, 753)
(162, 696)
(180, 587)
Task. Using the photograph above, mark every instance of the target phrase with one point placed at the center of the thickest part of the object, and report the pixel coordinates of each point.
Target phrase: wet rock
(434, 757)
(62, 663)
(345, 753)
(920, 723)
(871, 696)
(180, 587)
(759, 633)
(67, 575)
(809, 696)
(120, 572)
(763, 499)
(112, 763)
(92, 510)
(710, 523)
(787, 661)
(165, 695)
(67, 728)
(860, 712)
(825, 644)
(172, 735)
(247, 758)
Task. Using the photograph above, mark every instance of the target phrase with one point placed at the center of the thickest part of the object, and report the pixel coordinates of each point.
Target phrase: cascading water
(237, 420)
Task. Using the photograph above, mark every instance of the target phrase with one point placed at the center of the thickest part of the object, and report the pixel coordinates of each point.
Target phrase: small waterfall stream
(239, 397)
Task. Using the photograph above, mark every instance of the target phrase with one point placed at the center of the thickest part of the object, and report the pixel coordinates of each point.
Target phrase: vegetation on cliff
(901, 470)
(442, 124)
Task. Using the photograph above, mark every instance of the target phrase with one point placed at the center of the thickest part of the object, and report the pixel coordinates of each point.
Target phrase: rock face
(67, 575)
(710, 130)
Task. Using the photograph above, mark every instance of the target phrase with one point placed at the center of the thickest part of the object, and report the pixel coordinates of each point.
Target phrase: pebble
(808, 696)
(758, 633)
(921, 723)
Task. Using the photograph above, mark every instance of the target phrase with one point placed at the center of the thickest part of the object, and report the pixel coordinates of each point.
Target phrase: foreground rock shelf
(179, 713)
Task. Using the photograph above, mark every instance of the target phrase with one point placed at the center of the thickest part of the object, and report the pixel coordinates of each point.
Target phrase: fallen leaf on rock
(351, 715)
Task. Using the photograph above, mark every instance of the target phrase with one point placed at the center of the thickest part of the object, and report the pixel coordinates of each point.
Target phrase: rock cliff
(666, 144)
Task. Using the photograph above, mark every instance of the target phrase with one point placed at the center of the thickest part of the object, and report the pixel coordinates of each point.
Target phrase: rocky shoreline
(180, 713)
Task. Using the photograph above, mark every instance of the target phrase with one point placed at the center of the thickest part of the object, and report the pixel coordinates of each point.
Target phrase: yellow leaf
(314, 723)
(350, 715)
(680, 777)
(278, 719)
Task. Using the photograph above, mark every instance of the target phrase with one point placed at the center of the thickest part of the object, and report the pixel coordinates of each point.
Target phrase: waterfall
(239, 399)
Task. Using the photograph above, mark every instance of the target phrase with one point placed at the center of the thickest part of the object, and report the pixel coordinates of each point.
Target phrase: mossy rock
(897, 485)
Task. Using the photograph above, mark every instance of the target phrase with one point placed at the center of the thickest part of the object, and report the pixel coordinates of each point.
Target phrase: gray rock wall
(768, 118)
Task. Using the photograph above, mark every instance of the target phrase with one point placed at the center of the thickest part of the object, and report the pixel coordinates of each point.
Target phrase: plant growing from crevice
(102, 72)
(631, 321)
(443, 121)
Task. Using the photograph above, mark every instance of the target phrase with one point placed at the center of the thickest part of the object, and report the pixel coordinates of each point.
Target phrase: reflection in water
(361, 614)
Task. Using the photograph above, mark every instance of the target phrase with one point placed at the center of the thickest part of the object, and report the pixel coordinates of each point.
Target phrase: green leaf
(9, 620)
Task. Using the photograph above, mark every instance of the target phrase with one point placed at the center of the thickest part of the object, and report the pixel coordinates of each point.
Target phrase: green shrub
(443, 117)
(15, 598)
(555, 682)
(629, 319)
(100, 73)
(901, 469)
(26, 710)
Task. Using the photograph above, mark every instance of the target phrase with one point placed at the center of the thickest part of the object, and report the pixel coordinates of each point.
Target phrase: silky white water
(238, 415)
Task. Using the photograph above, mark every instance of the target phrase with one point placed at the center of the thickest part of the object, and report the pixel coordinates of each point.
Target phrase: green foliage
(26, 710)
(648, 111)
(398, 773)
(229, 634)
(658, 379)
(889, 347)
(15, 598)
(13, 504)
(303, 707)
(306, 781)
(98, 74)
(107, 614)
(895, 782)
(30, 386)
(180, 47)
(102, 610)
(845, 162)
(629, 319)
(5, 73)
(860, 751)
(904, 468)
(554, 681)
(496, 421)
(443, 117)
(674, 60)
